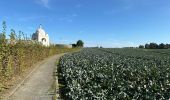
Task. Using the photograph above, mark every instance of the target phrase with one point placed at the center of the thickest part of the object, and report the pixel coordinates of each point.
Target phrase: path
(39, 85)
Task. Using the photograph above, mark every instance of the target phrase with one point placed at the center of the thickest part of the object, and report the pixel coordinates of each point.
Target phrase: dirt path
(39, 84)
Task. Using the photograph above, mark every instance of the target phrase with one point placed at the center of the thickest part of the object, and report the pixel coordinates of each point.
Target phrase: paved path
(38, 85)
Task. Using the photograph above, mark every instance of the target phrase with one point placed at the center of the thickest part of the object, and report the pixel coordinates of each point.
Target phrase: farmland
(108, 74)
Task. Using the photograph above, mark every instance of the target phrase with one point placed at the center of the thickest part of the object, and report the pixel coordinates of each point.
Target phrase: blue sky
(107, 23)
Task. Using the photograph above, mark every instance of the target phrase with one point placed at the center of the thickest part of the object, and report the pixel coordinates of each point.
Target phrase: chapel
(41, 36)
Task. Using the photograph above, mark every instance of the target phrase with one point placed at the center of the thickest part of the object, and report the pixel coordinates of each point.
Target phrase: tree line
(155, 46)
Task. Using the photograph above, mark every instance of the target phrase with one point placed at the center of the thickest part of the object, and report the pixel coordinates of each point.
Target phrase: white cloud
(44, 3)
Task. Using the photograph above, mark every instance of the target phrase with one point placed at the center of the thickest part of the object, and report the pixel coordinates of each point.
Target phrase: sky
(107, 23)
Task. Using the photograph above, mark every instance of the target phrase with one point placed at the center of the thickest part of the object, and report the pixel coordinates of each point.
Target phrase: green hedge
(18, 53)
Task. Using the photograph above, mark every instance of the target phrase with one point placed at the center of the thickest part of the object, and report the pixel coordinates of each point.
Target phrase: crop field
(108, 74)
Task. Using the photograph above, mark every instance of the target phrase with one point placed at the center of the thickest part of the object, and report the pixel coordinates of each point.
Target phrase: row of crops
(108, 74)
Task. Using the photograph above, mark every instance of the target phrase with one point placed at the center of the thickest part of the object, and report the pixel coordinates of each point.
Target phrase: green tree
(146, 46)
(162, 46)
(167, 46)
(141, 46)
(153, 46)
(12, 35)
(3, 34)
(3, 49)
(80, 43)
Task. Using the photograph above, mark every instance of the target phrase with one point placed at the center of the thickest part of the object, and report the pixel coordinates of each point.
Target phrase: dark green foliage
(153, 46)
(74, 45)
(141, 46)
(121, 74)
(146, 46)
(162, 46)
(80, 43)
(156, 46)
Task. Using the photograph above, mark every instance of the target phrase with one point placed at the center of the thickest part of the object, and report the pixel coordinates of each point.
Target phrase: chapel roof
(41, 30)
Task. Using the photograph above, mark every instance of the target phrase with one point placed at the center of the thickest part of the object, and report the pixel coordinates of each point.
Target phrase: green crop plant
(121, 74)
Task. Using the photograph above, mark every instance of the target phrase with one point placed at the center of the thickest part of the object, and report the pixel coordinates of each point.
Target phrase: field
(108, 74)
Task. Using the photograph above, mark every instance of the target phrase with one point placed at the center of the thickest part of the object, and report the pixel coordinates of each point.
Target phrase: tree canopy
(80, 43)
(155, 46)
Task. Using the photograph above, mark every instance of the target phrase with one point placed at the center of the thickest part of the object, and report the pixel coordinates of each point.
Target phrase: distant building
(41, 36)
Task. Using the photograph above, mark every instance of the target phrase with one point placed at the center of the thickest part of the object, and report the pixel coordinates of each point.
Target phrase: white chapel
(41, 36)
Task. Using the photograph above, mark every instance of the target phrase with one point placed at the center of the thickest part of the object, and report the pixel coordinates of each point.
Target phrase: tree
(3, 34)
(146, 46)
(12, 37)
(167, 46)
(156, 46)
(80, 43)
(141, 46)
(162, 46)
(3, 48)
(153, 46)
